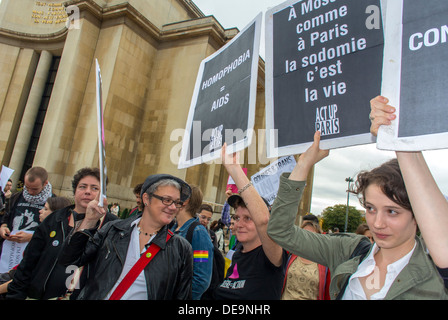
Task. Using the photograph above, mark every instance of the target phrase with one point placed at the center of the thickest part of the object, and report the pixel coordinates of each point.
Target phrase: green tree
(335, 217)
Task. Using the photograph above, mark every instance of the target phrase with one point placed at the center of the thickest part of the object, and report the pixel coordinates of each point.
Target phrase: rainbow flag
(200, 255)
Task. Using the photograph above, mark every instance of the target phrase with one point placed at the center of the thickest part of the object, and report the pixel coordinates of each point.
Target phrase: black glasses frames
(167, 201)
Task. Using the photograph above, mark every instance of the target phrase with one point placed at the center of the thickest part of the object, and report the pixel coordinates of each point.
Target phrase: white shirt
(355, 291)
(137, 291)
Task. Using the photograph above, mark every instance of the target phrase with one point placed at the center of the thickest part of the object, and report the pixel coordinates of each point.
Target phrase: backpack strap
(189, 235)
(362, 249)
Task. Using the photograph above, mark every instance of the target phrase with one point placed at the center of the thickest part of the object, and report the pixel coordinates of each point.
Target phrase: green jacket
(418, 280)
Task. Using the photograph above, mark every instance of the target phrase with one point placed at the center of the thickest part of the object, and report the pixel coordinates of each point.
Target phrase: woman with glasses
(256, 270)
(119, 248)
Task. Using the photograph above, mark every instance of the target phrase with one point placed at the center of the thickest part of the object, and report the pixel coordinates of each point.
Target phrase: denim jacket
(202, 257)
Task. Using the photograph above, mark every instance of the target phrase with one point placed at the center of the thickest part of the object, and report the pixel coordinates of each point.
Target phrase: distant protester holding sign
(396, 204)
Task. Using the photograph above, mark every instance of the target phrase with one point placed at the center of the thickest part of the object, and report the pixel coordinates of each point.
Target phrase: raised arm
(94, 213)
(320, 248)
(308, 159)
(429, 205)
(257, 208)
(84, 241)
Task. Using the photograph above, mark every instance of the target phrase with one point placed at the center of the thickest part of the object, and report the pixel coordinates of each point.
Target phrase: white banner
(101, 137)
(5, 174)
(267, 180)
(12, 253)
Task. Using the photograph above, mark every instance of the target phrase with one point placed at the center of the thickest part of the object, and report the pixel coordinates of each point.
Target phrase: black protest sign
(419, 77)
(323, 65)
(223, 103)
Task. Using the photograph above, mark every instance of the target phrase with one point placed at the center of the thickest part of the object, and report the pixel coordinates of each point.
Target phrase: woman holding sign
(396, 197)
(39, 276)
(258, 262)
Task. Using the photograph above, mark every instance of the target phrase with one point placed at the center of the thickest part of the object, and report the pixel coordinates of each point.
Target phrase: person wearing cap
(256, 271)
(118, 246)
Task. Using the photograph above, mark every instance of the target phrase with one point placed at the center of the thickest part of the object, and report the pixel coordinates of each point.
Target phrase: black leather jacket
(168, 276)
(34, 277)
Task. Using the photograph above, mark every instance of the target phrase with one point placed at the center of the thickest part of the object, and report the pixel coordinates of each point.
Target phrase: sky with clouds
(329, 181)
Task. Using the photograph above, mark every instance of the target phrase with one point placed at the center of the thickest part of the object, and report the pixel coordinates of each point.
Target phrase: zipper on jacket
(122, 264)
(108, 251)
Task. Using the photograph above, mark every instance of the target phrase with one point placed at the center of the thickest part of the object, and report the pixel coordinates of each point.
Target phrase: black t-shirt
(26, 215)
(252, 276)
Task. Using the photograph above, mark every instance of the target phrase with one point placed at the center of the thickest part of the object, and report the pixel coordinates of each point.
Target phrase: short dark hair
(138, 188)
(389, 179)
(37, 173)
(206, 207)
(85, 172)
(310, 217)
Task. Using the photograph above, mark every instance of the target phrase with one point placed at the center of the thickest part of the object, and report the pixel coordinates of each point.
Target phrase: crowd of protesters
(166, 248)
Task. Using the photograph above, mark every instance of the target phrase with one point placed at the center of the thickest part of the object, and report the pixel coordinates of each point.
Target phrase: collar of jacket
(418, 270)
(124, 228)
(183, 230)
(65, 213)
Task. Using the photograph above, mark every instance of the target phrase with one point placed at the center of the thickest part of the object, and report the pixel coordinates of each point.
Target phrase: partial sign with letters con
(415, 75)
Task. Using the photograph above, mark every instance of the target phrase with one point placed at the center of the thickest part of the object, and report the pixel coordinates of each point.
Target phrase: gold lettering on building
(49, 13)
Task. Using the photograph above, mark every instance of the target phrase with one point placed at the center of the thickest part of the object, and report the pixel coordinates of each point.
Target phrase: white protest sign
(12, 253)
(267, 180)
(5, 174)
(101, 137)
(415, 75)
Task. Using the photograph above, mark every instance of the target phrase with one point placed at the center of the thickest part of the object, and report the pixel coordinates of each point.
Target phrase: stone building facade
(149, 53)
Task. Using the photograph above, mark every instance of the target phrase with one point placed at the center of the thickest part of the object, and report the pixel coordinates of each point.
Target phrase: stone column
(57, 140)
(30, 113)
